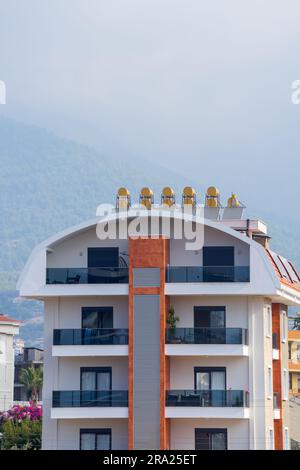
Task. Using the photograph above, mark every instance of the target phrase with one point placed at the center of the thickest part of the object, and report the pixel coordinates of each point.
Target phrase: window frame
(269, 382)
(109, 308)
(95, 431)
(213, 431)
(96, 370)
(285, 385)
(268, 322)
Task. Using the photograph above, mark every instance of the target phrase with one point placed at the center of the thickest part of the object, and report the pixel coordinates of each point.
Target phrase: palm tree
(32, 379)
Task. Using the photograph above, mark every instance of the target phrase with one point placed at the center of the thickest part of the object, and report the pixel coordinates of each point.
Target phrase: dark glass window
(96, 378)
(97, 317)
(210, 378)
(103, 257)
(210, 439)
(210, 317)
(218, 256)
(95, 439)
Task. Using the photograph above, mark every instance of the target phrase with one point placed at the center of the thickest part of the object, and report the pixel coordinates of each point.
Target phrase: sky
(202, 87)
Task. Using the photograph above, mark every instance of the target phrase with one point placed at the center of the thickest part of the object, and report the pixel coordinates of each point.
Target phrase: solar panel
(296, 276)
(278, 265)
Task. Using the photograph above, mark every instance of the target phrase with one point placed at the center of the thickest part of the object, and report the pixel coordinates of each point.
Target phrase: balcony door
(210, 324)
(101, 258)
(210, 439)
(95, 439)
(218, 263)
(211, 383)
(95, 385)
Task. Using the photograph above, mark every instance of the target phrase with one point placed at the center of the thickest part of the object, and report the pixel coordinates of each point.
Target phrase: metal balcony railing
(207, 398)
(206, 336)
(89, 398)
(87, 276)
(208, 274)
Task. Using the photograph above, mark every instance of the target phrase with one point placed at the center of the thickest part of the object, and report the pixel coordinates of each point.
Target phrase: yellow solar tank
(146, 197)
(213, 197)
(123, 199)
(189, 196)
(233, 201)
(168, 197)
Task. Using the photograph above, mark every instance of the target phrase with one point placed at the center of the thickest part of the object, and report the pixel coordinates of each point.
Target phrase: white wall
(69, 432)
(183, 432)
(7, 365)
(72, 253)
(69, 310)
(236, 309)
(182, 371)
(212, 237)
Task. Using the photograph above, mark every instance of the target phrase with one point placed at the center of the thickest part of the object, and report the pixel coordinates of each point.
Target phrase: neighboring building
(8, 328)
(19, 345)
(31, 357)
(294, 362)
(115, 375)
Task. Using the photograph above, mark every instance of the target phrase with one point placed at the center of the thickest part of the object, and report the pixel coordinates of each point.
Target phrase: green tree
(24, 435)
(32, 379)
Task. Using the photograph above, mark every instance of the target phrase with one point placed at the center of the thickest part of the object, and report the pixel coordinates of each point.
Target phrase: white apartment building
(119, 375)
(8, 328)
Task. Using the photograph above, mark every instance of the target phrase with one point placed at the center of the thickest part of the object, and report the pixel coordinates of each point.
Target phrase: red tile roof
(6, 319)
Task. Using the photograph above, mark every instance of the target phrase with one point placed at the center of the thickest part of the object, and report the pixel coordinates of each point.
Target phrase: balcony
(87, 276)
(207, 404)
(89, 404)
(207, 341)
(90, 342)
(207, 274)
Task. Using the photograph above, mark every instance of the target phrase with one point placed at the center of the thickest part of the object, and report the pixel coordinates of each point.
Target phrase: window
(283, 319)
(290, 350)
(95, 439)
(218, 256)
(210, 378)
(210, 317)
(285, 384)
(210, 439)
(269, 383)
(97, 317)
(286, 441)
(95, 378)
(268, 322)
(2, 349)
(103, 257)
(271, 439)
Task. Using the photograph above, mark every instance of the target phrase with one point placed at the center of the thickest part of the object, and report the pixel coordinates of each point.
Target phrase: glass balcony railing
(87, 276)
(90, 336)
(206, 336)
(90, 398)
(208, 274)
(207, 398)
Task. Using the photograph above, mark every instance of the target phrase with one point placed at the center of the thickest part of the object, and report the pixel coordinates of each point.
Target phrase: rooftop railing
(208, 274)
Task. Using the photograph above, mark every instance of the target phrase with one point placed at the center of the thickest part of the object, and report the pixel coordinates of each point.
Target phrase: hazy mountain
(48, 183)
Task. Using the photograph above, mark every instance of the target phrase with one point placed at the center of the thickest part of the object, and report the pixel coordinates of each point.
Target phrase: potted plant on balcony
(172, 320)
